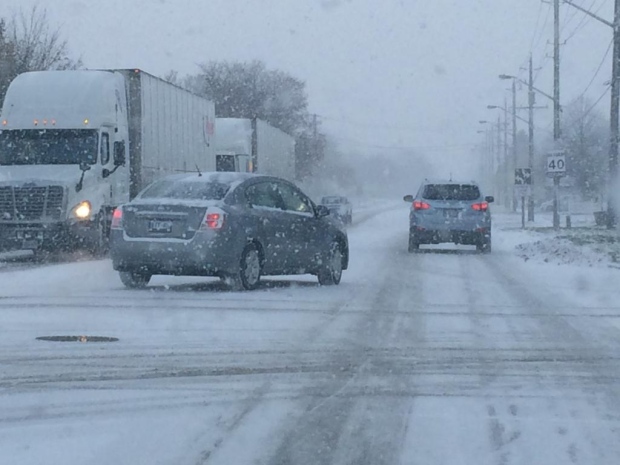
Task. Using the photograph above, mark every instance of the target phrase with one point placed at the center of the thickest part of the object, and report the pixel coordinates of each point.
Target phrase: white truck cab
(76, 144)
(63, 143)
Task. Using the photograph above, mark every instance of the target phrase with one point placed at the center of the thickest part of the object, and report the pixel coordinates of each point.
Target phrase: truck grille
(30, 203)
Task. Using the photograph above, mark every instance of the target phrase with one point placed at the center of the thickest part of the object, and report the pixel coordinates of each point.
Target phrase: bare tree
(29, 43)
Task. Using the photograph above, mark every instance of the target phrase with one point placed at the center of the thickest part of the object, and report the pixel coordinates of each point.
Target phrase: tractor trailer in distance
(76, 144)
(252, 145)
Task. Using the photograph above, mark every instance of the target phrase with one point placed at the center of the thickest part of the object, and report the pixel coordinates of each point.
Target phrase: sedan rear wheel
(331, 272)
(135, 279)
(414, 245)
(248, 275)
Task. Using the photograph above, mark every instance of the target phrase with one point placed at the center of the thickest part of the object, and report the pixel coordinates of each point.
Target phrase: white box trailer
(171, 130)
(76, 144)
(252, 145)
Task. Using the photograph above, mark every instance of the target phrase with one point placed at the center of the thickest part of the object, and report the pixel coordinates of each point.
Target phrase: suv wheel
(414, 245)
(135, 279)
(484, 246)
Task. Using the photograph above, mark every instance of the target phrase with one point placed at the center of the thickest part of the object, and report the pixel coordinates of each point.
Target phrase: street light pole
(531, 102)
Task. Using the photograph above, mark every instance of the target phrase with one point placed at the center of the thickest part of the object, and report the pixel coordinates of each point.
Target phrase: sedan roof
(221, 177)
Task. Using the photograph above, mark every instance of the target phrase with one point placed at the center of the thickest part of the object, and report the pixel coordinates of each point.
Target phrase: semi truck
(252, 145)
(76, 144)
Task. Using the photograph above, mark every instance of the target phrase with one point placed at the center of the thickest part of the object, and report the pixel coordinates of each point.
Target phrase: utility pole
(556, 104)
(614, 118)
(514, 136)
(531, 102)
(498, 155)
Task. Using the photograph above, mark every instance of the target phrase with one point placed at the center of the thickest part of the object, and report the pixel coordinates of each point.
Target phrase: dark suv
(449, 212)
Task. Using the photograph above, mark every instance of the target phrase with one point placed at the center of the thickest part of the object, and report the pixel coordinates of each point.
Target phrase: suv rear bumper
(468, 237)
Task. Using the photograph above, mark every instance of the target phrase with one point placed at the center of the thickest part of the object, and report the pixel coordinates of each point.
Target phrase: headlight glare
(82, 210)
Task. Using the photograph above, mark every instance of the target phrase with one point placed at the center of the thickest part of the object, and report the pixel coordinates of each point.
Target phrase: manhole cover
(77, 338)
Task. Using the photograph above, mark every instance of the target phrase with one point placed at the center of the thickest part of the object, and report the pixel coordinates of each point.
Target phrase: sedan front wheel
(331, 272)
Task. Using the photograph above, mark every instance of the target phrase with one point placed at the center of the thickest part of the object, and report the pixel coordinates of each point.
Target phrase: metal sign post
(556, 169)
(522, 189)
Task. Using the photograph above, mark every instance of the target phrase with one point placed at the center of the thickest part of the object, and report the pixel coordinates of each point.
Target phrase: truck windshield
(48, 147)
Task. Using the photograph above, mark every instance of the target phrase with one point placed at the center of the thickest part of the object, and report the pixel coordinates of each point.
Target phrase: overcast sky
(379, 73)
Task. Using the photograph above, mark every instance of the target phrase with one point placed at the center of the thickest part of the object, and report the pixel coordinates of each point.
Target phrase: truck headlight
(82, 210)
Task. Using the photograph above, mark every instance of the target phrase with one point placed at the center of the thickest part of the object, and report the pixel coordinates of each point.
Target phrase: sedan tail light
(213, 220)
(480, 207)
(419, 205)
(117, 219)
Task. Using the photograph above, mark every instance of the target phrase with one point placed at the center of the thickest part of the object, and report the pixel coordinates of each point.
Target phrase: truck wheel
(331, 272)
(135, 279)
(101, 237)
(248, 275)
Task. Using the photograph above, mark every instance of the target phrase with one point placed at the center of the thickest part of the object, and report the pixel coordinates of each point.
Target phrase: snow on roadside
(583, 246)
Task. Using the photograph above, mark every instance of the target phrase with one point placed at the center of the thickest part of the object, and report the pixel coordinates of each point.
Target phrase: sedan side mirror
(322, 211)
(489, 199)
(408, 198)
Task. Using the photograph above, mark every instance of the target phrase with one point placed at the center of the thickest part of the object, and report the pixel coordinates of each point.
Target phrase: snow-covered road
(442, 357)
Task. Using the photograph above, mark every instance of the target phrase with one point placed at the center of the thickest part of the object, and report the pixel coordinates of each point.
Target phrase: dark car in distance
(340, 207)
(236, 226)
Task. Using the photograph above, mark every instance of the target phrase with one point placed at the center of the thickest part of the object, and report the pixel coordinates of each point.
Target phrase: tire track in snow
(339, 427)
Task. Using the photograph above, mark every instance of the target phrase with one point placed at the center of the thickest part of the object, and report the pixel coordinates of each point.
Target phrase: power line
(536, 41)
(546, 57)
(587, 112)
(597, 69)
(584, 20)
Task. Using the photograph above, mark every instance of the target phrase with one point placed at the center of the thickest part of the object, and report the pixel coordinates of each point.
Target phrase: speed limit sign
(556, 165)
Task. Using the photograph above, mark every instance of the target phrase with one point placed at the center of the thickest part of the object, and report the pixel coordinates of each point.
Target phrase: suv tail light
(419, 205)
(117, 218)
(213, 220)
(480, 207)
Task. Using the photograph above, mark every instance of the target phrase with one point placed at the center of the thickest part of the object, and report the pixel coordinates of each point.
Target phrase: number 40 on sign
(556, 165)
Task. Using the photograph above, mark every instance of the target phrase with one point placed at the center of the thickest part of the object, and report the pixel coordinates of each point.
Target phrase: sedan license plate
(156, 226)
(30, 244)
(452, 214)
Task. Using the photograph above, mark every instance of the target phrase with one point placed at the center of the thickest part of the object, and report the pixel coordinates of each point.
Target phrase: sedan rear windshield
(451, 192)
(186, 190)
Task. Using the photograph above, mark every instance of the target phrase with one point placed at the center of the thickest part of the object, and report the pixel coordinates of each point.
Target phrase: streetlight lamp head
(492, 107)
(483, 122)
(506, 76)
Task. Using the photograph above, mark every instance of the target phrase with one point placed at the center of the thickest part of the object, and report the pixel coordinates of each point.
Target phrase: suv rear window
(451, 192)
(186, 190)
